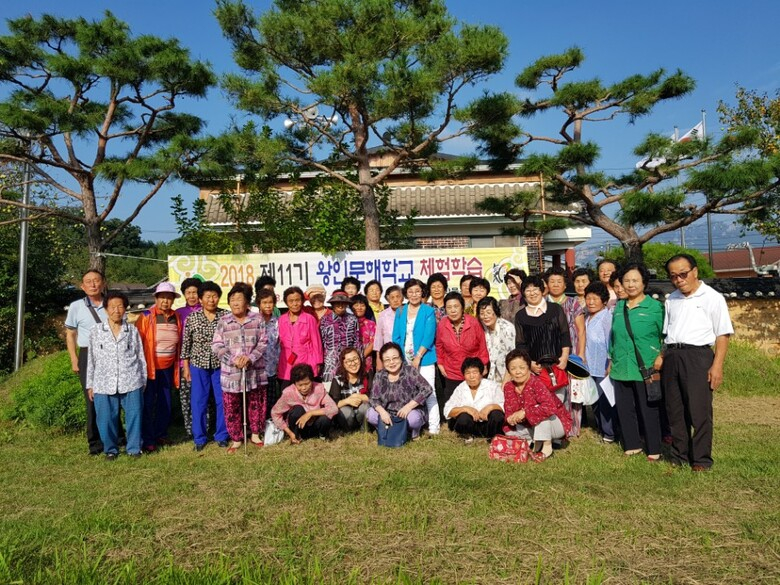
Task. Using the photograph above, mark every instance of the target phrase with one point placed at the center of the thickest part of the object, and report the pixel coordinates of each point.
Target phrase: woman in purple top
(239, 344)
(338, 331)
(398, 390)
(189, 288)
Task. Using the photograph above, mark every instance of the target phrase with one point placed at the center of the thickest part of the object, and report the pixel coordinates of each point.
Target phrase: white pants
(434, 421)
(547, 430)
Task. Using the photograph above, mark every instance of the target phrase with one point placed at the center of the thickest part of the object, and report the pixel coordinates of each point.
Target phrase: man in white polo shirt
(696, 319)
(82, 316)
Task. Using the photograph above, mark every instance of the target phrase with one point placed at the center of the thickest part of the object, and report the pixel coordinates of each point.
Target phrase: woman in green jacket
(646, 316)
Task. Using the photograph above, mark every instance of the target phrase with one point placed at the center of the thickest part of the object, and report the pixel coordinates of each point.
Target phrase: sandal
(231, 450)
(258, 444)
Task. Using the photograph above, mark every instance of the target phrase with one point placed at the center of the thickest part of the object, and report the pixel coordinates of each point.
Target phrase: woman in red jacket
(530, 409)
(458, 336)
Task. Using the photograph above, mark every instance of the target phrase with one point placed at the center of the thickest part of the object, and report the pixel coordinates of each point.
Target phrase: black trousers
(633, 408)
(444, 392)
(93, 436)
(464, 424)
(319, 426)
(689, 403)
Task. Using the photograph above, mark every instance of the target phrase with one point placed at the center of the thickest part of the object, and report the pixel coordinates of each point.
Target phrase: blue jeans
(107, 410)
(157, 406)
(205, 383)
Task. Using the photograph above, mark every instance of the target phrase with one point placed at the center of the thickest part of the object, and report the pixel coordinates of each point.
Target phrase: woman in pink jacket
(299, 337)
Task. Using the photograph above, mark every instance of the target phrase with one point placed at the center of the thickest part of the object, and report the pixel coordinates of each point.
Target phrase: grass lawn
(436, 511)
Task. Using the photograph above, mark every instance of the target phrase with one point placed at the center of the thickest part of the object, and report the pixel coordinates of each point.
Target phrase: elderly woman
(304, 410)
(373, 291)
(646, 317)
(266, 301)
(415, 331)
(581, 278)
(116, 374)
(598, 326)
(386, 320)
(160, 331)
(338, 330)
(366, 327)
(202, 367)
(499, 337)
(457, 337)
(299, 337)
(605, 269)
(542, 330)
(509, 307)
(189, 289)
(350, 389)
(479, 288)
(398, 390)
(531, 410)
(239, 344)
(316, 296)
(437, 288)
(476, 407)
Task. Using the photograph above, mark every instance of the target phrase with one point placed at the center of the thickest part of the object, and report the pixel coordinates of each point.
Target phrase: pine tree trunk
(370, 211)
(95, 246)
(633, 251)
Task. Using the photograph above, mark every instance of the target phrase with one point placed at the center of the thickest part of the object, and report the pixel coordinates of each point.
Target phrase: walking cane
(244, 413)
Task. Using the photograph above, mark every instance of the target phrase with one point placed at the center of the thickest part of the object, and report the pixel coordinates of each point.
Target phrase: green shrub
(52, 399)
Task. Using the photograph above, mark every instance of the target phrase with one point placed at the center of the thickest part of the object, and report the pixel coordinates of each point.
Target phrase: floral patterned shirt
(500, 342)
(273, 349)
(337, 333)
(572, 309)
(115, 365)
(233, 339)
(367, 333)
(392, 396)
(197, 338)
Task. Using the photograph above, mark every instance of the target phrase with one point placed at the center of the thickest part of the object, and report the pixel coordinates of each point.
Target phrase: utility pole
(22, 289)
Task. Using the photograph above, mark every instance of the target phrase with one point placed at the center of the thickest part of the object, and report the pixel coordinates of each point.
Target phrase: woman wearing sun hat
(160, 330)
(316, 294)
(338, 330)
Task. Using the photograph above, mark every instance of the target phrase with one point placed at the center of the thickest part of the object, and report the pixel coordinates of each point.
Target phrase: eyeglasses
(354, 360)
(680, 275)
(393, 358)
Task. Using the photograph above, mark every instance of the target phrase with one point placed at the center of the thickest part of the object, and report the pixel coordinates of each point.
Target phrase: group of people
(425, 356)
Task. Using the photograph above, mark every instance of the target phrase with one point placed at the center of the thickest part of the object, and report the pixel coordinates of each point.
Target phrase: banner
(390, 267)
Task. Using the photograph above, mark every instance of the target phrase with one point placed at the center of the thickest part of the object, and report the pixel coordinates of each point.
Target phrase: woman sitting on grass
(305, 409)
(116, 373)
(239, 344)
(531, 410)
(399, 390)
(476, 405)
(350, 389)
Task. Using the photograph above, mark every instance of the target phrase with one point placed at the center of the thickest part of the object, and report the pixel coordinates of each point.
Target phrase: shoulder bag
(651, 378)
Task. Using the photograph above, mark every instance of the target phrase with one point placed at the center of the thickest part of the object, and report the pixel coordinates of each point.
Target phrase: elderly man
(82, 316)
(696, 320)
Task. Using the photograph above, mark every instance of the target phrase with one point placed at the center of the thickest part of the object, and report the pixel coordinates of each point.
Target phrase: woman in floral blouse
(367, 324)
(201, 366)
(266, 301)
(499, 337)
(337, 330)
(398, 390)
(531, 410)
(239, 344)
(116, 373)
(350, 389)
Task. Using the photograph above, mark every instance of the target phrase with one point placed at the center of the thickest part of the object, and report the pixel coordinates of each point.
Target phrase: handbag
(506, 448)
(584, 391)
(394, 435)
(651, 378)
(272, 436)
(553, 377)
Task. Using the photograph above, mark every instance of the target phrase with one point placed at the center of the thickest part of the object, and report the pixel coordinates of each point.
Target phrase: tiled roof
(429, 199)
(737, 262)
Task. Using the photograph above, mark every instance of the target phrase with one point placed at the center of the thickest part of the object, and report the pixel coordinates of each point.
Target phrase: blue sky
(720, 43)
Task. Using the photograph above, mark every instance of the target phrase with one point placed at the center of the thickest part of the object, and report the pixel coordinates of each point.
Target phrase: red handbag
(553, 377)
(506, 448)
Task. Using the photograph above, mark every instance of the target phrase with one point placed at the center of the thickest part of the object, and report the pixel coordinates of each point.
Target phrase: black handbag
(651, 378)
(394, 435)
